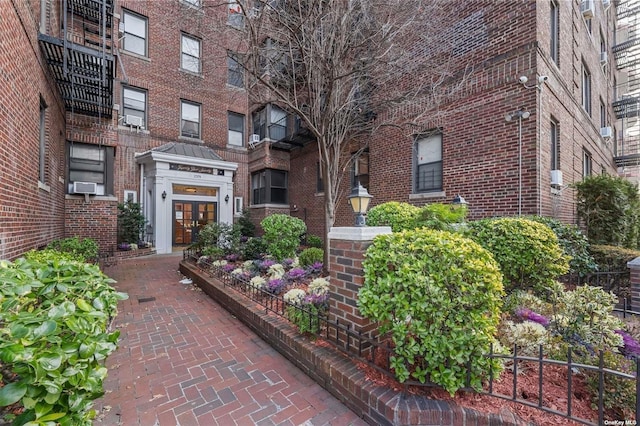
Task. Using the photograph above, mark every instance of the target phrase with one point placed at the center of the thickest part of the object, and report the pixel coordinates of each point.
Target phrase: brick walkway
(184, 360)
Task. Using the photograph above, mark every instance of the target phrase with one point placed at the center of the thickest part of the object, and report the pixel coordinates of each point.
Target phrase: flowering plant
(630, 346)
(232, 257)
(315, 267)
(296, 274)
(220, 262)
(529, 315)
(275, 286)
(295, 296)
(257, 282)
(124, 246)
(276, 271)
(319, 286)
(228, 268)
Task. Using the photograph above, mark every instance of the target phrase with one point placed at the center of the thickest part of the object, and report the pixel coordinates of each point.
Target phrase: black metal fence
(376, 353)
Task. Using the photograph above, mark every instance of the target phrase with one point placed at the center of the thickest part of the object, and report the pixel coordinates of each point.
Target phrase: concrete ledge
(337, 373)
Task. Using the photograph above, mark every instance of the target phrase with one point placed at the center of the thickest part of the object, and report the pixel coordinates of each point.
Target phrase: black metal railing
(376, 352)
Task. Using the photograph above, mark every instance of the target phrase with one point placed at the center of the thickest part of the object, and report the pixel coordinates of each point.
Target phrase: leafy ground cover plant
(310, 256)
(438, 295)
(82, 249)
(54, 315)
(528, 252)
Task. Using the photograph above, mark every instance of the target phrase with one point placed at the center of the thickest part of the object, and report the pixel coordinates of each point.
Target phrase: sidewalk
(184, 360)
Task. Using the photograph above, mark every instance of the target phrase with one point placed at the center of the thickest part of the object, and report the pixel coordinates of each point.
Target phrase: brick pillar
(347, 246)
(634, 266)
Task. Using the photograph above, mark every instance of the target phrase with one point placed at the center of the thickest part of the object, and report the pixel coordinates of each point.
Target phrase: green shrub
(54, 315)
(311, 255)
(438, 295)
(254, 248)
(85, 249)
(282, 235)
(399, 216)
(619, 394)
(131, 223)
(612, 258)
(609, 207)
(574, 244)
(222, 236)
(528, 252)
(245, 224)
(441, 216)
(314, 241)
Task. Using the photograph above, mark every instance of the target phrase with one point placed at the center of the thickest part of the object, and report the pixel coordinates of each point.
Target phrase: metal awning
(86, 85)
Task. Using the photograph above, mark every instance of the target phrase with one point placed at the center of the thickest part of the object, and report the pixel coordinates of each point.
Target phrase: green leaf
(45, 329)
(52, 416)
(12, 393)
(50, 361)
(18, 330)
(84, 305)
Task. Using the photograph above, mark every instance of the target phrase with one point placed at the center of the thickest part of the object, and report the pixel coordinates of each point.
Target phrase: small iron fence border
(367, 349)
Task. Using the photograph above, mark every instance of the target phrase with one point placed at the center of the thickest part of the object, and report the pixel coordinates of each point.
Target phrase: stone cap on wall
(357, 233)
(634, 264)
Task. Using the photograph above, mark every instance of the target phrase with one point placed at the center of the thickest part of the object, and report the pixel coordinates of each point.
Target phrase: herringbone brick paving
(184, 360)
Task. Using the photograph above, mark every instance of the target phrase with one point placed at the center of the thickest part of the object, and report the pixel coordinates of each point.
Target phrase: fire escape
(627, 95)
(82, 60)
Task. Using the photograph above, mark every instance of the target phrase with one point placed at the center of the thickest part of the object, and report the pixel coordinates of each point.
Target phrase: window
(43, 142)
(603, 114)
(319, 179)
(235, 73)
(130, 196)
(135, 33)
(270, 122)
(360, 170)
(428, 164)
(603, 43)
(235, 17)
(91, 163)
(589, 23)
(555, 33)
(555, 144)
(586, 163)
(237, 206)
(43, 16)
(134, 104)
(190, 120)
(586, 89)
(195, 3)
(269, 186)
(236, 129)
(190, 56)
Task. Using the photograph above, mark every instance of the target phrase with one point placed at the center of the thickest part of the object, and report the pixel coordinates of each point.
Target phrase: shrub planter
(338, 374)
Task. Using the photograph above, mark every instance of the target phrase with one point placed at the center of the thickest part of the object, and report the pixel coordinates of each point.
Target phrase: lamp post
(359, 200)
(458, 201)
(520, 115)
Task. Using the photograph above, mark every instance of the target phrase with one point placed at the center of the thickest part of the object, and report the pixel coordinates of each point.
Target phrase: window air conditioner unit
(133, 120)
(556, 177)
(605, 132)
(90, 188)
(604, 58)
(254, 140)
(587, 8)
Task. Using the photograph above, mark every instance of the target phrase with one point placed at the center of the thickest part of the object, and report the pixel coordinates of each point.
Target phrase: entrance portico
(183, 187)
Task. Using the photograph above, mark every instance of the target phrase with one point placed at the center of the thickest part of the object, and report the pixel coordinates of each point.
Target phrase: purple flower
(124, 246)
(296, 273)
(232, 257)
(265, 264)
(316, 299)
(244, 238)
(287, 262)
(529, 315)
(275, 286)
(630, 346)
(316, 267)
(228, 267)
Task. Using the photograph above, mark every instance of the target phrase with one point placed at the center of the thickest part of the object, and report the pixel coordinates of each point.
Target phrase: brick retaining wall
(377, 405)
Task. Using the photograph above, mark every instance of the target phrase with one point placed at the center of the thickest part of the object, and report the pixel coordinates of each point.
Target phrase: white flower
(319, 286)
(295, 262)
(257, 282)
(247, 264)
(276, 271)
(294, 296)
(219, 263)
(237, 272)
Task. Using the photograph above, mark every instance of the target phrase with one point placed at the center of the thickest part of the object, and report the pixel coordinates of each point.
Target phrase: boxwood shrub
(438, 296)
(399, 216)
(282, 234)
(528, 252)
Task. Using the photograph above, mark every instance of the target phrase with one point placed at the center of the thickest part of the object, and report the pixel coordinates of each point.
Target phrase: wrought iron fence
(376, 352)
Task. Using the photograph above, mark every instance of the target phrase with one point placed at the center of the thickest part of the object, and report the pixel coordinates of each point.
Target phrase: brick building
(140, 100)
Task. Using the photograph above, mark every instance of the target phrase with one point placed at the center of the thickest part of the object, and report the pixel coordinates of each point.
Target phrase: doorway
(189, 217)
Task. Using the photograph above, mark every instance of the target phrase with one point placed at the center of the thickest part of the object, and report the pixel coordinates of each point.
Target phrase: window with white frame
(189, 119)
(237, 206)
(586, 88)
(428, 163)
(236, 129)
(135, 33)
(190, 54)
(587, 163)
(130, 196)
(134, 106)
(43, 142)
(91, 163)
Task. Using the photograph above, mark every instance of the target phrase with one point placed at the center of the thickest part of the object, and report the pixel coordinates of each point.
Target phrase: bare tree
(347, 68)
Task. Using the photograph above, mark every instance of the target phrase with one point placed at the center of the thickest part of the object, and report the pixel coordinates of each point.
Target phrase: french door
(189, 217)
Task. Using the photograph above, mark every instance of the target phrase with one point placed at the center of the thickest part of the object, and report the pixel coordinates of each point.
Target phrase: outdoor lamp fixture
(458, 201)
(359, 199)
(226, 199)
(164, 195)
